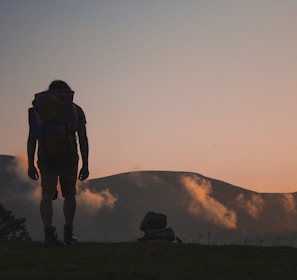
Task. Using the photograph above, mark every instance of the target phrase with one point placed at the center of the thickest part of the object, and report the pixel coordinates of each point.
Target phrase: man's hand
(33, 173)
(84, 173)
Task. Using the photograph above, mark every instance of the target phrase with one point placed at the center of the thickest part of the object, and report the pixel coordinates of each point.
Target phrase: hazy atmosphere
(201, 86)
(112, 208)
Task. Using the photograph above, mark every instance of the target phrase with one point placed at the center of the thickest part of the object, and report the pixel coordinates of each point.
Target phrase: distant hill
(198, 208)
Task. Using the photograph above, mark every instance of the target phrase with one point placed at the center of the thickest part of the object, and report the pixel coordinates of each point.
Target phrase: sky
(200, 86)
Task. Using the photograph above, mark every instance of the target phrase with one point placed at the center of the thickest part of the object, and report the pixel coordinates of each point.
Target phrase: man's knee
(49, 193)
(69, 195)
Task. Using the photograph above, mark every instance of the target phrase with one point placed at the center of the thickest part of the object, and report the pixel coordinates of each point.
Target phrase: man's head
(58, 85)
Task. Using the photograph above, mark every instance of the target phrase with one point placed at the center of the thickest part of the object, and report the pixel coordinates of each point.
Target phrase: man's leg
(49, 180)
(68, 186)
(69, 208)
(46, 210)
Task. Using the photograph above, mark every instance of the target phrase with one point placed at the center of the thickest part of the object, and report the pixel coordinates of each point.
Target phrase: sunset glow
(204, 86)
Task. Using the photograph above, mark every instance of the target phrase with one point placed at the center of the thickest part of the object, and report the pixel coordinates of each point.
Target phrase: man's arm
(84, 150)
(31, 148)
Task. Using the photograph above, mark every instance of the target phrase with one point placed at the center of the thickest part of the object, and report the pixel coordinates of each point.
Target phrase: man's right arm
(31, 148)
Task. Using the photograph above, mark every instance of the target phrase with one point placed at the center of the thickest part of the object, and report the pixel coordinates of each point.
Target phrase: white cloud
(203, 204)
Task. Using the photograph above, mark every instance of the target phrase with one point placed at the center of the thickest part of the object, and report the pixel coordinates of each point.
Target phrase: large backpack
(53, 121)
(154, 227)
(153, 221)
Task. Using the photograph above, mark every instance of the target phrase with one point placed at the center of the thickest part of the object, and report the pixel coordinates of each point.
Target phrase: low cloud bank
(90, 201)
(252, 205)
(204, 205)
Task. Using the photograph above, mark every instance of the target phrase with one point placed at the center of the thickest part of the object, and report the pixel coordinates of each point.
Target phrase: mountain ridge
(111, 208)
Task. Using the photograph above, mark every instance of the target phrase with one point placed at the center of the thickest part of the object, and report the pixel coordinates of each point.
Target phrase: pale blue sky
(204, 86)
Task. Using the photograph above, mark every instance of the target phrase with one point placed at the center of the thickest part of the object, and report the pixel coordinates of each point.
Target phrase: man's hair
(58, 84)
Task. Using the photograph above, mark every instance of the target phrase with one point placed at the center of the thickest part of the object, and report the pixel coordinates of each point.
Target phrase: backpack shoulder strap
(35, 122)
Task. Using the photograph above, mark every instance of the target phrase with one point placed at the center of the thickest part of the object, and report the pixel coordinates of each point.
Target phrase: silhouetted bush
(12, 228)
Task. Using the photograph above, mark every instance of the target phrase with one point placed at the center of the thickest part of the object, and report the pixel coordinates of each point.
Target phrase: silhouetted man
(56, 131)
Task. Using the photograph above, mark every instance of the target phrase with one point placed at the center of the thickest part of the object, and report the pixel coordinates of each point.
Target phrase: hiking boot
(68, 235)
(51, 237)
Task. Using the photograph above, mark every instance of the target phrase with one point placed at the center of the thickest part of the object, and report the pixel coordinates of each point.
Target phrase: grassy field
(19, 260)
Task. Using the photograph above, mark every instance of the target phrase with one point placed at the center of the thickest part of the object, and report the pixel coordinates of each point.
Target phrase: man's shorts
(67, 176)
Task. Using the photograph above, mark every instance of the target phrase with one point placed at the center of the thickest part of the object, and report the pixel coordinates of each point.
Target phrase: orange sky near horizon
(201, 86)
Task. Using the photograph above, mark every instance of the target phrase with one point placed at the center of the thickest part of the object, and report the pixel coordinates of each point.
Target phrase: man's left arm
(84, 150)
